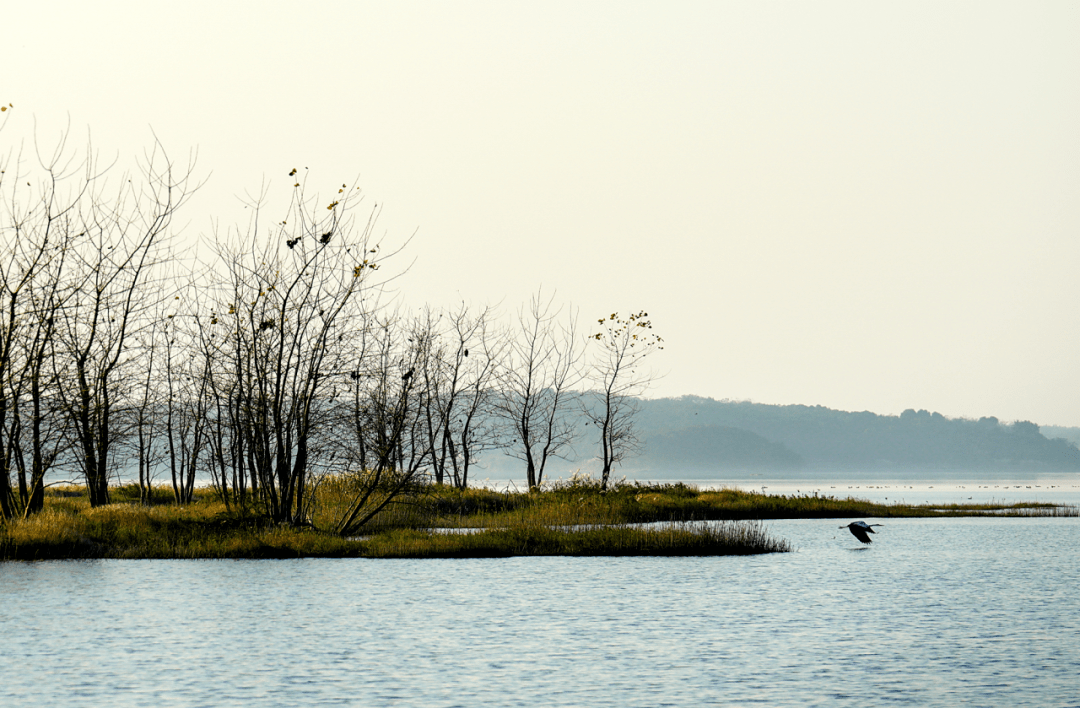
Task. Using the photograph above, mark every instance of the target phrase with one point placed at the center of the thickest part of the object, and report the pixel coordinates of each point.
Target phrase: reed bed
(582, 501)
(1020, 509)
(524, 539)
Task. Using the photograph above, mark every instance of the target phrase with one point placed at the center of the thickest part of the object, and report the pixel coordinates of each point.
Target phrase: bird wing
(860, 533)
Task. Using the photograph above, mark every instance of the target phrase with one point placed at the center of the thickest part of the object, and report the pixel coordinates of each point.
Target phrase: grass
(69, 528)
(568, 518)
(698, 539)
(580, 501)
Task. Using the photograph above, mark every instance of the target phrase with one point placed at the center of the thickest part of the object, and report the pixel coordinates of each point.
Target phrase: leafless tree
(618, 381)
(33, 291)
(467, 423)
(185, 409)
(121, 236)
(145, 407)
(269, 367)
(455, 405)
(219, 382)
(285, 335)
(82, 249)
(542, 364)
(388, 396)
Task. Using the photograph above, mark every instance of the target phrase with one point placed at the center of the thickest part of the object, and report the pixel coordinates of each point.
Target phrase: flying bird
(860, 529)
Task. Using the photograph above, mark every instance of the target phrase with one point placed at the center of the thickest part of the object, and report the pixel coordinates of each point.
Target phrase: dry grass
(698, 539)
(580, 501)
(69, 528)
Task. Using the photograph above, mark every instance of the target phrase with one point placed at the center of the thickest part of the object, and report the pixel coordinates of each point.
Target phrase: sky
(860, 205)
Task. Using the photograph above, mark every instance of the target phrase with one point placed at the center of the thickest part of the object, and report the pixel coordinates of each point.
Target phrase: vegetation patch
(697, 539)
(576, 518)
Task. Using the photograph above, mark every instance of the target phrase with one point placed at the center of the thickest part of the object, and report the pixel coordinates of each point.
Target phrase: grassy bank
(697, 539)
(582, 502)
(574, 518)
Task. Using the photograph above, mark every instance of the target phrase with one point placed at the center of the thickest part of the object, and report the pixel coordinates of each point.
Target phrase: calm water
(935, 612)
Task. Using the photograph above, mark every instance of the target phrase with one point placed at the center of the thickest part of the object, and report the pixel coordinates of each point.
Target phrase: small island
(572, 518)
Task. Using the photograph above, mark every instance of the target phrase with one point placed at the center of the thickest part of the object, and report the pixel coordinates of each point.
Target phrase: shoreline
(573, 518)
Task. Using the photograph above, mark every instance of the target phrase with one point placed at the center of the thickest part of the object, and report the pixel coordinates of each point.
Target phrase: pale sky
(861, 205)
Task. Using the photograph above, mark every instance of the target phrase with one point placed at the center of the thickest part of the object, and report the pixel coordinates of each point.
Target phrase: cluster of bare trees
(268, 364)
(80, 255)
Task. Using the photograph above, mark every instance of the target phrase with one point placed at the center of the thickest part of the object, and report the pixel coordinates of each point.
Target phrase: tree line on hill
(728, 435)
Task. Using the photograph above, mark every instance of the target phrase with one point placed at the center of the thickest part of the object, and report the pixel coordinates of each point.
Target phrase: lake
(935, 612)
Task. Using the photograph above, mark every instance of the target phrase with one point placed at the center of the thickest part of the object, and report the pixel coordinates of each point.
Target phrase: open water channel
(937, 612)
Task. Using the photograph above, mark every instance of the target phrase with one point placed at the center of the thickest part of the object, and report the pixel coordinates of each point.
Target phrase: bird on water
(861, 529)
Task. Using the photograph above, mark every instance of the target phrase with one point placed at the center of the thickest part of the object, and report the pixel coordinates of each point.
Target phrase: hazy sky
(867, 206)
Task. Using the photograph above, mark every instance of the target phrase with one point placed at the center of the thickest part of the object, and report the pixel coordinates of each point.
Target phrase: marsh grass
(333, 497)
(69, 528)
(566, 518)
(582, 502)
(526, 539)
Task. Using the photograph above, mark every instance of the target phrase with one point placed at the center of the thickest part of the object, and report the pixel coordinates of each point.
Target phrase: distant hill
(691, 437)
(1056, 431)
(827, 439)
(698, 449)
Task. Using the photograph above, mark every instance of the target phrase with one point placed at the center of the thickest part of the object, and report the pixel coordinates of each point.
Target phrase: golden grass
(69, 528)
(580, 503)
(701, 539)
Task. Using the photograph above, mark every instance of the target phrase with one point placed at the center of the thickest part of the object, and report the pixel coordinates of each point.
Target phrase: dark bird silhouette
(326, 237)
(860, 529)
(408, 375)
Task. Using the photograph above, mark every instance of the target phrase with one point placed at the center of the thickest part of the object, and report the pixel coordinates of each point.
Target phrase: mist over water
(934, 612)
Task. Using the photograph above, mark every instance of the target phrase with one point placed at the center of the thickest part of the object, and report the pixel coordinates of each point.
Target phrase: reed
(526, 539)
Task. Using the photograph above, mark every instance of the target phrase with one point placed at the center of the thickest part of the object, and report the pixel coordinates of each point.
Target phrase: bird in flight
(861, 530)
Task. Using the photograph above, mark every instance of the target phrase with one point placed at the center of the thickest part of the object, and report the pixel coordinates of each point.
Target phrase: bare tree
(33, 291)
(618, 382)
(120, 238)
(217, 372)
(185, 408)
(246, 374)
(295, 309)
(458, 414)
(144, 410)
(470, 425)
(389, 398)
(534, 398)
(82, 253)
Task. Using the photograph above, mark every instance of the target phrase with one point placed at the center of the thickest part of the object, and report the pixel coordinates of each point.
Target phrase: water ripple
(935, 612)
